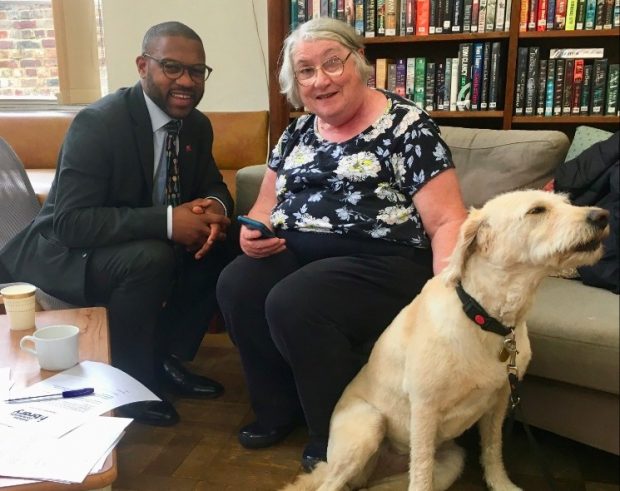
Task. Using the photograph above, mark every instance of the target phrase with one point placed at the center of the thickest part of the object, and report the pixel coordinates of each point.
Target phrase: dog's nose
(598, 217)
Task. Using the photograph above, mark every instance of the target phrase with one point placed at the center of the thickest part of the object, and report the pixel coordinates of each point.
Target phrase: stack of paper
(65, 439)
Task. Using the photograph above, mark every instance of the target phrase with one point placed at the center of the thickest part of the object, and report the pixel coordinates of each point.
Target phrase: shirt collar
(158, 117)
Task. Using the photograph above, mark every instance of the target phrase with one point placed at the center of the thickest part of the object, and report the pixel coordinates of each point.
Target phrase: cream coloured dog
(435, 372)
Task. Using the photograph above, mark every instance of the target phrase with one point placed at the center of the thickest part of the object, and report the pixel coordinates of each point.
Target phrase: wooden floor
(202, 453)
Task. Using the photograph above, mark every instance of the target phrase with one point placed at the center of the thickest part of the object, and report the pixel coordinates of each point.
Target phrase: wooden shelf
(433, 38)
(615, 32)
(466, 114)
(566, 119)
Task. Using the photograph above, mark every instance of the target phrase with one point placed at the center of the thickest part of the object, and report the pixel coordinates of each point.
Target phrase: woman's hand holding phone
(261, 244)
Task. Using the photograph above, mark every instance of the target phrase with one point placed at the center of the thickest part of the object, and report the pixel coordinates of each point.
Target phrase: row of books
(569, 85)
(569, 15)
(470, 82)
(373, 18)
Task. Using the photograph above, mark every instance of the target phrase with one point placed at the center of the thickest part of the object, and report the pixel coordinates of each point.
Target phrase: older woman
(359, 192)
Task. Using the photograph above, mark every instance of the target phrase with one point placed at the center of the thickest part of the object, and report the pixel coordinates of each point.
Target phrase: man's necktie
(173, 185)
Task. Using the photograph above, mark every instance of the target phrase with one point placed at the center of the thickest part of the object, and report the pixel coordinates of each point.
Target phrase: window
(38, 56)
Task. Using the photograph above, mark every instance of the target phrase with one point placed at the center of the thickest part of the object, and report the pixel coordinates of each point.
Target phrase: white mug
(19, 303)
(56, 347)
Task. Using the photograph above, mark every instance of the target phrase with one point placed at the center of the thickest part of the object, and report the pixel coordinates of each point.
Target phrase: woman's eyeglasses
(332, 67)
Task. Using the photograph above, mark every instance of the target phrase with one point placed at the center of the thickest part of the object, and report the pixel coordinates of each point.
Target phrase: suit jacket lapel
(143, 133)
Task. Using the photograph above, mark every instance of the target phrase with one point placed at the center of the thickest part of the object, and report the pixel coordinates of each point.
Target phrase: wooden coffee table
(25, 371)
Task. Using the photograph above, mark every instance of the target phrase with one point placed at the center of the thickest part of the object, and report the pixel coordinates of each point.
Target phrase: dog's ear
(464, 247)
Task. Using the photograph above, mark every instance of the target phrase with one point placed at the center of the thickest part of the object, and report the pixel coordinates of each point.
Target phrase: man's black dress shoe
(254, 435)
(185, 383)
(314, 452)
(156, 413)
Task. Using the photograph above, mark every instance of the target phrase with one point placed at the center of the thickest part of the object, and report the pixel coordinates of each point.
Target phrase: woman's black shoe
(254, 435)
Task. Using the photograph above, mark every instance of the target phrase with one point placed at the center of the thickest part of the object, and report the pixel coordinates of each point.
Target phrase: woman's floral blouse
(363, 186)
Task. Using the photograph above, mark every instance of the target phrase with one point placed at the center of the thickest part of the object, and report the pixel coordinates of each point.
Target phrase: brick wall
(28, 64)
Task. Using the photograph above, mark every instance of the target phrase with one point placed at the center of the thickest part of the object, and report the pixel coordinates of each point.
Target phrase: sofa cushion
(490, 162)
(248, 185)
(574, 334)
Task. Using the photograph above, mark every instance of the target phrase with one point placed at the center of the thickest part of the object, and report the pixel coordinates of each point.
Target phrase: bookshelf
(442, 45)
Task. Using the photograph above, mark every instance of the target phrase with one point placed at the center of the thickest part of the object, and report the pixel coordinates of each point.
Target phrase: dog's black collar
(477, 314)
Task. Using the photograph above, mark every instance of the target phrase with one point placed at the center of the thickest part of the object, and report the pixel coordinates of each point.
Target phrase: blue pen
(65, 394)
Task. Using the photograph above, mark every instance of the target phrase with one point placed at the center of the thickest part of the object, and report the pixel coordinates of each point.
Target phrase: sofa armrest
(248, 181)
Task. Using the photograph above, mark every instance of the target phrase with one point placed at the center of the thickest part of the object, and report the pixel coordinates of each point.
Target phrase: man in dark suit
(113, 232)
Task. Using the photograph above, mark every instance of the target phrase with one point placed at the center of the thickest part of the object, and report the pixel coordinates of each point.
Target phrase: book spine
(586, 89)
(391, 16)
(500, 15)
(577, 87)
(542, 88)
(381, 73)
(571, 15)
(608, 14)
(420, 80)
(422, 17)
(491, 8)
(391, 77)
(457, 15)
(508, 15)
(294, 22)
(454, 84)
(359, 17)
(349, 12)
(440, 20)
(324, 8)
(440, 86)
(402, 18)
(541, 16)
(429, 92)
(334, 11)
(410, 80)
(580, 15)
(611, 100)
(447, 16)
(486, 72)
(532, 18)
(558, 87)
(560, 15)
(372, 79)
(521, 80)
(495, 77)
(432, 16)
(467, 8)
(616, 13)
(531, 84)
(599, 84)
(447, 84)
(569, 72)
(475, 9)
(590, 14)
(463, 100)
(380, 18)
(370, 7)
(550, 14)
(476, 83)
(401, 77)
(550, 88)
(410, 17)
(600, 14)
(482, 16)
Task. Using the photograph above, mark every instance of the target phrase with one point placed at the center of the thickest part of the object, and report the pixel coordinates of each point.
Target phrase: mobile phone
(256, 225)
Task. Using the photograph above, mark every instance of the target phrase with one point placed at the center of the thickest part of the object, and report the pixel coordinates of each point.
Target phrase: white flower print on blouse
(280, 185)
(393, 215)
(307, 223)
(301, 154)
(384, 191)
(358, 167)
(411, 117)
(381, 126)
(278, 219)
(397, 161)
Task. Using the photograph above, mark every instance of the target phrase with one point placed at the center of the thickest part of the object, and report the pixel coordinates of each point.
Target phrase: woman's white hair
(322, 28)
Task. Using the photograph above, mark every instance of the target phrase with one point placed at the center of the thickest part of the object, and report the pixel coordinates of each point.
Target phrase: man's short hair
(165, 29)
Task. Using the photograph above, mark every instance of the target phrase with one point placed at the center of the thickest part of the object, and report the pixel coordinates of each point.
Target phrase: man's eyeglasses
(332, 67)
(175, 69)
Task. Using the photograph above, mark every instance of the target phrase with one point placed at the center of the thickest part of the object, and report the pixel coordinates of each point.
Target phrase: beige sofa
(36, 137)
(572, 384)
